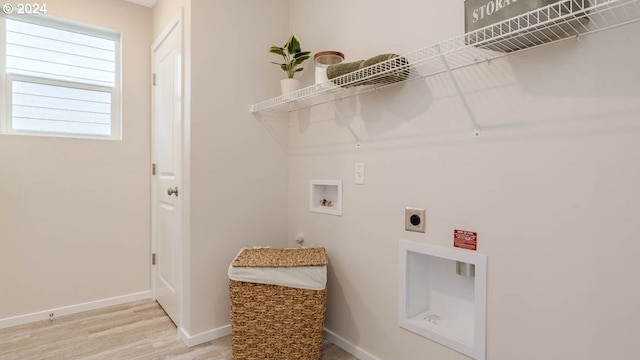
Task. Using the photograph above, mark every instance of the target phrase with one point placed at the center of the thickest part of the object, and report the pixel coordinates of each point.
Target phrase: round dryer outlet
(414, 219)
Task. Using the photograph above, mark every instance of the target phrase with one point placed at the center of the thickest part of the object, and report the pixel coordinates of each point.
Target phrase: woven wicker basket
(277, 322)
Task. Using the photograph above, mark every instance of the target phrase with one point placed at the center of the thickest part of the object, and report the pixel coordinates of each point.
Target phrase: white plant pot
(288, 86)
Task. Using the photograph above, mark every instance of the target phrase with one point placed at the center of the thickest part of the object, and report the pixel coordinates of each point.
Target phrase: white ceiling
(147, 3)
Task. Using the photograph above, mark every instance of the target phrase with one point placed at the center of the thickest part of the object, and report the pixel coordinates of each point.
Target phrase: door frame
(183, 199)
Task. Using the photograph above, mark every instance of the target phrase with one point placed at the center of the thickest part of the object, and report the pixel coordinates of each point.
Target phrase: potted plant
(293, 57)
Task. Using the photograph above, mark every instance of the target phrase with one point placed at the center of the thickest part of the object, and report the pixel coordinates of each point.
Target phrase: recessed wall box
(437, 303)
(325, 196)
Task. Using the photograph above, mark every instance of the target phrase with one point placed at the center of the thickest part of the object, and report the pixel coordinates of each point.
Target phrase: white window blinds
(48, 108)
(59, 54)
(62, 81)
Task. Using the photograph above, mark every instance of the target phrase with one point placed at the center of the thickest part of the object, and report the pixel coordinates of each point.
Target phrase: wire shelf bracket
(340, 117)
(463, 99)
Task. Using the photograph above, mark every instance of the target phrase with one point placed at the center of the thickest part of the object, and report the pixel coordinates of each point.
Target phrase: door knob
(173, 191)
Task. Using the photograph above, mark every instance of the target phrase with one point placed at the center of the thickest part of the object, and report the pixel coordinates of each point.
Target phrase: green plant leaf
(303, 56)
(299, 69)
(293, 45)
(302, 53)
(300, 60)
(277, 50)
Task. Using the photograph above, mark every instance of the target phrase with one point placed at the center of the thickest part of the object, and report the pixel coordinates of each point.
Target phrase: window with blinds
(62, 79)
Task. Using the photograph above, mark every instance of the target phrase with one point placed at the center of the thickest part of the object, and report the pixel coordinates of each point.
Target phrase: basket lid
(267, 257)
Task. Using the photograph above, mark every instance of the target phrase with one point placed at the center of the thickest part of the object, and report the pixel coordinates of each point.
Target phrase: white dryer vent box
(437, 303)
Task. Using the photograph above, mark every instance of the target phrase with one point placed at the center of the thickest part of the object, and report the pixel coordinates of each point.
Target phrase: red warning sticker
(465, 239)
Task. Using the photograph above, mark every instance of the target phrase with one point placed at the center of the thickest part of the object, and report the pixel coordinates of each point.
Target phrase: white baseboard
(73, 309)
(193, 340)
(347, 346)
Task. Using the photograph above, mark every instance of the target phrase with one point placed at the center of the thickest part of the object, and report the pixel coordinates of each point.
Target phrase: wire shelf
(545, 25)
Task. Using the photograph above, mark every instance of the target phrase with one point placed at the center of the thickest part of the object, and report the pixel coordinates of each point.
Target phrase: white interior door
(167, 157)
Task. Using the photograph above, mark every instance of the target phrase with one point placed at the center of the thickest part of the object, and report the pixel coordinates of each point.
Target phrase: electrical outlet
(414, 219)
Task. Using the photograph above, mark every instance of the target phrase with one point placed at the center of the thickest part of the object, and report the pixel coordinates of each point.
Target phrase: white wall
(550, 186)
(238, 170)
(163, 11)
(74, 214)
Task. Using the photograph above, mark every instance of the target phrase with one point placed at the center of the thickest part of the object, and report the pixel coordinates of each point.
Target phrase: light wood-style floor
(138, 330)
